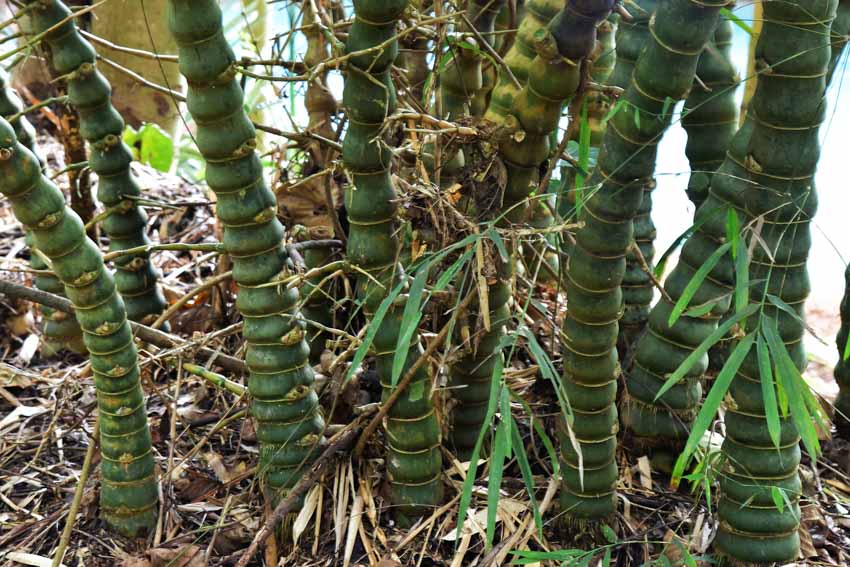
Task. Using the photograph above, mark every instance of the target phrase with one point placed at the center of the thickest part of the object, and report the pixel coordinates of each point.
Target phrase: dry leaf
(645, 471)
(186, 556)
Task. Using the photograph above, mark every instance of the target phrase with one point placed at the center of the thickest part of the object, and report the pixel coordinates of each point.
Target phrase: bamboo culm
(414, 461)
(321, 106)
(462, 77)
(597, 262)
(842, 369)
(710, 115)
(637, 285)
(786, 112)
(128, 494)
(101, 126)
(662, 349)
(710, 119)
(840, 32)
(553, 76)
(536, 16)
(60, 330)
(290, 427)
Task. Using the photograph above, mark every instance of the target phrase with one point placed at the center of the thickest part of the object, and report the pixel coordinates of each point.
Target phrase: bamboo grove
(472, 107)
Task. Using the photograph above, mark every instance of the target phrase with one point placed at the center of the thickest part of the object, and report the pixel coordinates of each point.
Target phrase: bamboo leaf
(846, 354)
(527, 474)
(781, 304)
(500, 244)
(409, 322)
(695, 283)
(501, 451)
(789, 376)
(733, 230)
(469, 481)
(712, 403)
(700, 351)
(583, 156)
(377, 318)
(729, 15)
(771, 411)
(742, 275)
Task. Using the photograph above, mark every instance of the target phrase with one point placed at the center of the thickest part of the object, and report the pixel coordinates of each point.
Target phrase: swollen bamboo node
(414, 460)
(128, 495)
(101, 126)
(290, 426)
(663, 74)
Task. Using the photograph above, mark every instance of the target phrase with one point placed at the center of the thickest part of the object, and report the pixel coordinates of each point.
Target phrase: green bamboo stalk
(637, 285)
(462, 77)
(321, 106)
(840, 34)
(710, 118)
(553, 76)
(414, 57)
(536, 16)
(128, 495)
(284, 403)
(710, 115)
(842, 369)
(598, 104)
(414, 461)
(663, 75)
(489, 71)
(60, 330)
(100, 124)
(786, 111)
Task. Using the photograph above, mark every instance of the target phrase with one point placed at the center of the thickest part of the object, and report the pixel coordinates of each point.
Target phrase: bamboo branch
(143, 332)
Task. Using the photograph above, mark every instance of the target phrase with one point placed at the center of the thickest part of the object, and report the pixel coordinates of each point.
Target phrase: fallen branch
(145, 333)
(337, 446)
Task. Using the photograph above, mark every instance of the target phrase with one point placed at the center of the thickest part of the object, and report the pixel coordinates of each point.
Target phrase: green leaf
(789, 376)
(618, 106)
(700, 351)
(733, 230)
(742, 275)
(583, 156)
(608, 533)
(781, 304)
(374, 325)
(501, 451)
(494, 235)
(712, 403)
(776, 496)
(527, 475)
(409, 323)
(846, 354)
(768, 393)
(157, 147)
(729, 15)
(469, 481)
(695, 283)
